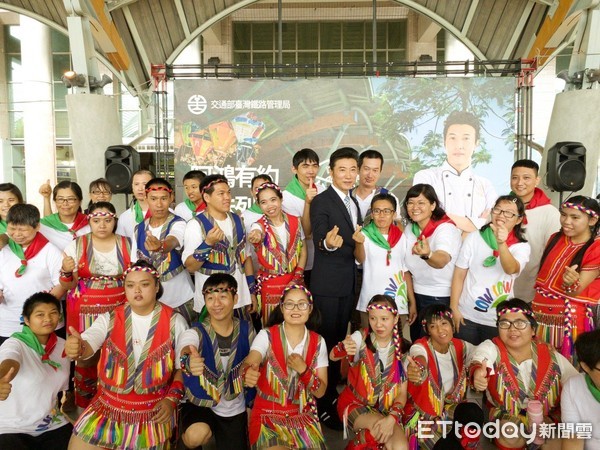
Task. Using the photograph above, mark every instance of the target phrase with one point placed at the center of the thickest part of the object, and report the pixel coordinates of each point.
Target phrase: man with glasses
(522, 376)
(542, 221)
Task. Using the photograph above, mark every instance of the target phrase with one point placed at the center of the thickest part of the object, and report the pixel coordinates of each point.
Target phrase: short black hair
(433, 313)
(343, 153)
(371, 154)
(517, 303)
(587, 348)
(158, 182)
(197, 175)
(261, 176)
(13, 189)
(429, 193)
(100, 183)
(462, 118)
(36, 299)
(66, 184)
(217, 279)
(23, 214)
(304, 155)
(212, 180)
(385, 196)
(527, 163)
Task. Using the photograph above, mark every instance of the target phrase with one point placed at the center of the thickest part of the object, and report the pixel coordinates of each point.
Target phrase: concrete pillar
(38, 118)
(573, 119)
(94, 125)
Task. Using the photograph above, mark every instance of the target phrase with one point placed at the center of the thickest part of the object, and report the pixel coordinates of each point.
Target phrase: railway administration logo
(196, 104)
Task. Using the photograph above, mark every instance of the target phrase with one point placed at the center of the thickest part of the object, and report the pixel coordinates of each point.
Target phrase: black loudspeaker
(121, 162)
(565, 166)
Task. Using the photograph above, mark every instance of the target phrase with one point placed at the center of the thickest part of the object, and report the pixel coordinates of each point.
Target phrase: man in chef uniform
(467, 198)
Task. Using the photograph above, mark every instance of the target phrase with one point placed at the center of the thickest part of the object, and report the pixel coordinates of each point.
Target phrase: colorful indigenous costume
(97, 292)
(278, 260)
(285, 411)
(226, 256)
(437, 395)
(512, 385)
(374, 381)
(561, 316)
(59, 233)
(130, 218)
(120, 415)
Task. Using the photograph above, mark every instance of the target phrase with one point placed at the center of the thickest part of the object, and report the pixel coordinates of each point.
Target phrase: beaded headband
(503, 311)
(588, 211)
(149, 270)
(212, 290)
(101, 214)
(380, 307)
(159, 188)
(212, 183)
(291, 287)
(268, 186)
(442, 315)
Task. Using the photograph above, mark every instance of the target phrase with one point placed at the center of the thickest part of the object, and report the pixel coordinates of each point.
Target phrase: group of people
(210, 314)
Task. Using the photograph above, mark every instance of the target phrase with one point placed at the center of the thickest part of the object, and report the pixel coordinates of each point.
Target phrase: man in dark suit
(334, 215)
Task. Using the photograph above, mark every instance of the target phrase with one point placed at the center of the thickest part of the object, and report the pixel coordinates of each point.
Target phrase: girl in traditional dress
(429, 248)
(372, 402)
(293, 371)
(489, 262)
(568, 283)
(69, 222)
(437, 372)
(92, 270)
(9, 195)
(377, 249)
(522, 377)
(139, 387)
(279, 243)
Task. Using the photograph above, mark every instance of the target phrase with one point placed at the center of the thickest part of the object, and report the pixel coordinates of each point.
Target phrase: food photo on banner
(241, 128)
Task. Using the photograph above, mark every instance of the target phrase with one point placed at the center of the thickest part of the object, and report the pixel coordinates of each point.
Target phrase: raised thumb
(254, 366)
(8, 376)
(483, 367)
(194, 351)
(410, 360)
(74, 332)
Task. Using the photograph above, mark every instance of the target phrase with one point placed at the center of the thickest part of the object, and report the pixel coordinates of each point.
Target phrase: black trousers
(50, 440)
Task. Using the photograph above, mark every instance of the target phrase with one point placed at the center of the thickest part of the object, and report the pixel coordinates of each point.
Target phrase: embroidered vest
(371, 385)
(214, 383)
(507, 397)
(224, 256)
(84, 251)
(274, 384)
(274, 259)
(168, 265)
(427, 398)
(117, 371)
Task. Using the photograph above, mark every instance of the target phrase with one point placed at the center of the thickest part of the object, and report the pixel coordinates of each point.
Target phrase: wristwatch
(426, 257)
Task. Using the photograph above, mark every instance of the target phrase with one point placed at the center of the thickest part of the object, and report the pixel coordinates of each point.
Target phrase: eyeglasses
(302, 306)
(69, 200)
(506, 214)
(385, 212)
(519, 324)
(101, 192)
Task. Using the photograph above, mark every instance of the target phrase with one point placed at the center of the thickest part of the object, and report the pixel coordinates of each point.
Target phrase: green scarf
(255, 208)
(373, 233)
(295, 188)
(137, 210)
(2, 226)
(190, 204)
(488, 236)
(592, 387)
(53, 221)
(30, 340)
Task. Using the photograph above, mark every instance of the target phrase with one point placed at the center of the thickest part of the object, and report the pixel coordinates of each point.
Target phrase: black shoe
(331, 421)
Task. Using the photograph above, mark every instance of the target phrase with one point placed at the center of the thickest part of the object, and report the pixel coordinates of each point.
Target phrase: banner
(241, 128)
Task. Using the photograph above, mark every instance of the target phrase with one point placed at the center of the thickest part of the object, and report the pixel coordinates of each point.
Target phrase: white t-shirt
(262, 344)
(379, 278)
(382, 352)
(105, 263)
(183, 211)
(488, 350)
(126, 223)
(295, 206)
(225, 408)
(192, 240)
(42, 274)
(32, 406)
(542, 222)
(426, 279)
(249, 218)
(180, 288)
(577, 405)
(140, 325)
(485, 285)
(444, 361)
(464, 194)
(61, 239)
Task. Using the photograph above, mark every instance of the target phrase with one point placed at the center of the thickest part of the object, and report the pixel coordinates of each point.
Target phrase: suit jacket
(333, 273)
